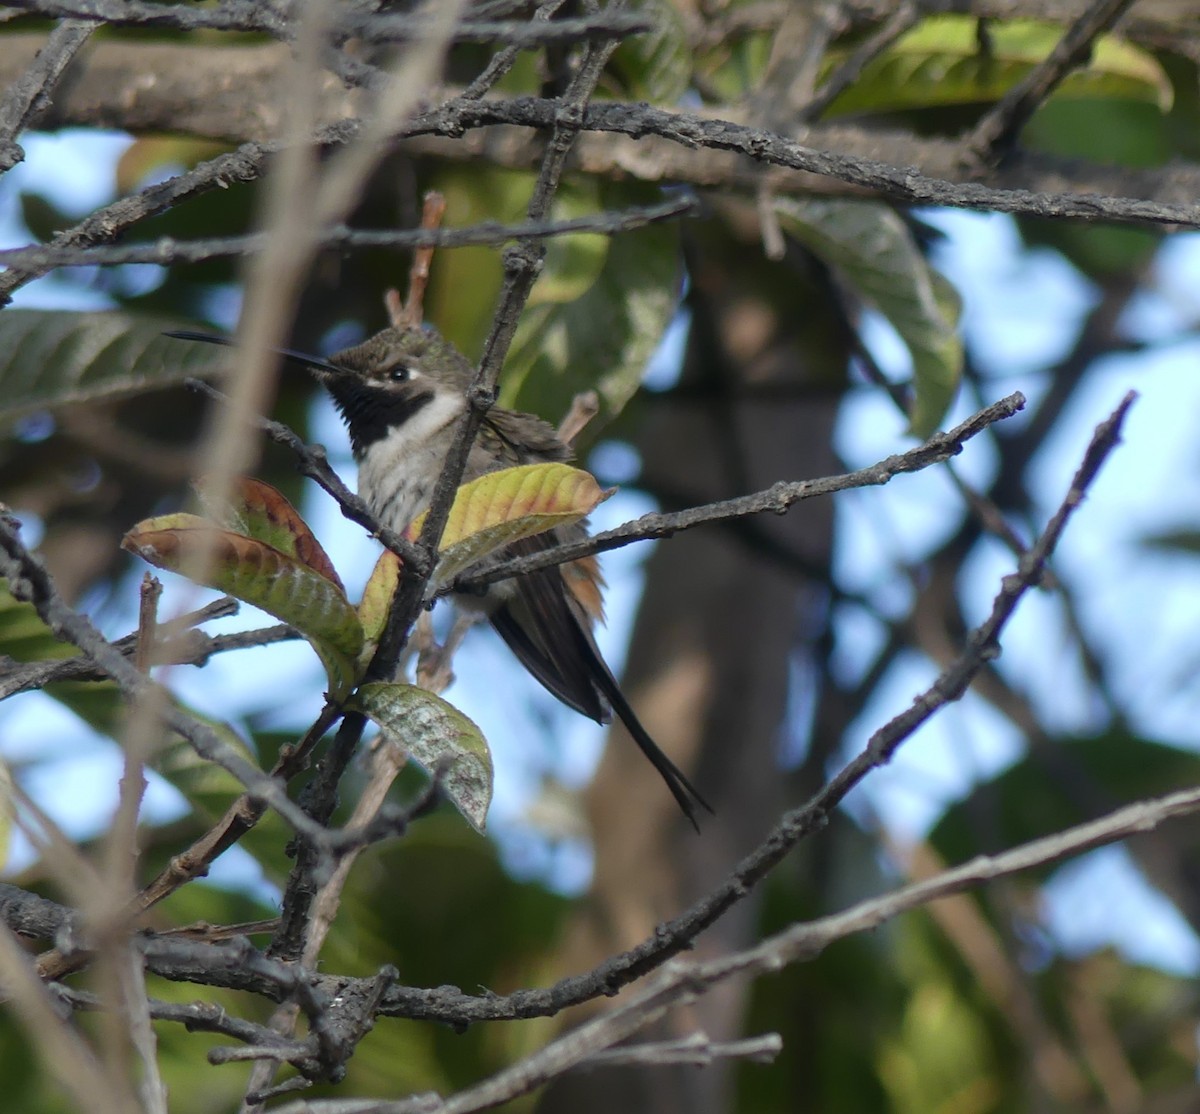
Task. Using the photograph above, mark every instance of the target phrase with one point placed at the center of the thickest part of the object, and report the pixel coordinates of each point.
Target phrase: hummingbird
(402, 394)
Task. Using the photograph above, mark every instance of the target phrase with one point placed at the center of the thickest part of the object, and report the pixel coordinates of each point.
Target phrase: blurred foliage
(952, 60)
(898, 1020)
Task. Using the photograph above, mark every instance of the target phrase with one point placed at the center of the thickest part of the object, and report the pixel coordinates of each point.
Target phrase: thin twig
(28, 97)
(904, 17)
(194, 648)
(205, 1017)
(66, 1055)
(673, 936)
(504, 58)
(167, 251)
(413, 311)
(144, 643)
(388, 759)
(901, 183)
(678, 982)
(695, 1050)
(776, 499)
(108, 223)
(584, 407)
(454, 116)
(995, 133)
(683, 981)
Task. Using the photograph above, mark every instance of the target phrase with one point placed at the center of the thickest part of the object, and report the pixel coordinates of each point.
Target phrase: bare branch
(27, 97)
(175, 644)
(108, 223)
(675, 935)
(900, 183)
(683, 981)
(504, 59)
(412, 312)
(775, 499)
(65, 1053)
(241, 15)
(404, 110)
(234, 15)
(677, 983)
(521, 266)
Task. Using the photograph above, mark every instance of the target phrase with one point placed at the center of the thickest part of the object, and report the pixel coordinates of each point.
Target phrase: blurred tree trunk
(727, 616)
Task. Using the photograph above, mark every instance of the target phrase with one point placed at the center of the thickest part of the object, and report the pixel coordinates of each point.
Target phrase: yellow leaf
(503, 507)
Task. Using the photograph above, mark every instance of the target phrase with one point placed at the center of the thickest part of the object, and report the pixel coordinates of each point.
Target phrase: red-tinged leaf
(260, 575)
(377, 596)
(503, 507)
(260, 511)
(435, 733)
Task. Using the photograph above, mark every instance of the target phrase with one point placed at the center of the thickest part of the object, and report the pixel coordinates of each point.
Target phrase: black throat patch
(370, 412)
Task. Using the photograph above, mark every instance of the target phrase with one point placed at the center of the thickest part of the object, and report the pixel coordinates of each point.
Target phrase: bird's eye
(401, 373)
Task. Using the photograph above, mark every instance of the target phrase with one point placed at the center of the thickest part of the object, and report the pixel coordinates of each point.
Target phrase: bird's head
(381, 383)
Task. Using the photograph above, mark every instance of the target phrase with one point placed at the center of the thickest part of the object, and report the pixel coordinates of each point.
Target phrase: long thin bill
(300, 358)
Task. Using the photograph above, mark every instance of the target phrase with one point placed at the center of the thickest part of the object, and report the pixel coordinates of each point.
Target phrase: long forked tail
(682, 790)
(579, 677)
(547, 628)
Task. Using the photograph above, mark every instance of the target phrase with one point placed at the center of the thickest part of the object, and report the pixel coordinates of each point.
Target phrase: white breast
(397, 474)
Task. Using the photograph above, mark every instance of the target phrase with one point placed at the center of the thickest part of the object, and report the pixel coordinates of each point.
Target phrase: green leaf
(464, 283)
(50, 358)
(502, 507)
(594, 327)
(1075, 781)
(940, 62)
(598, 310)
(434, 732)
(655, 66)
(263, 576)
(875, 253)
